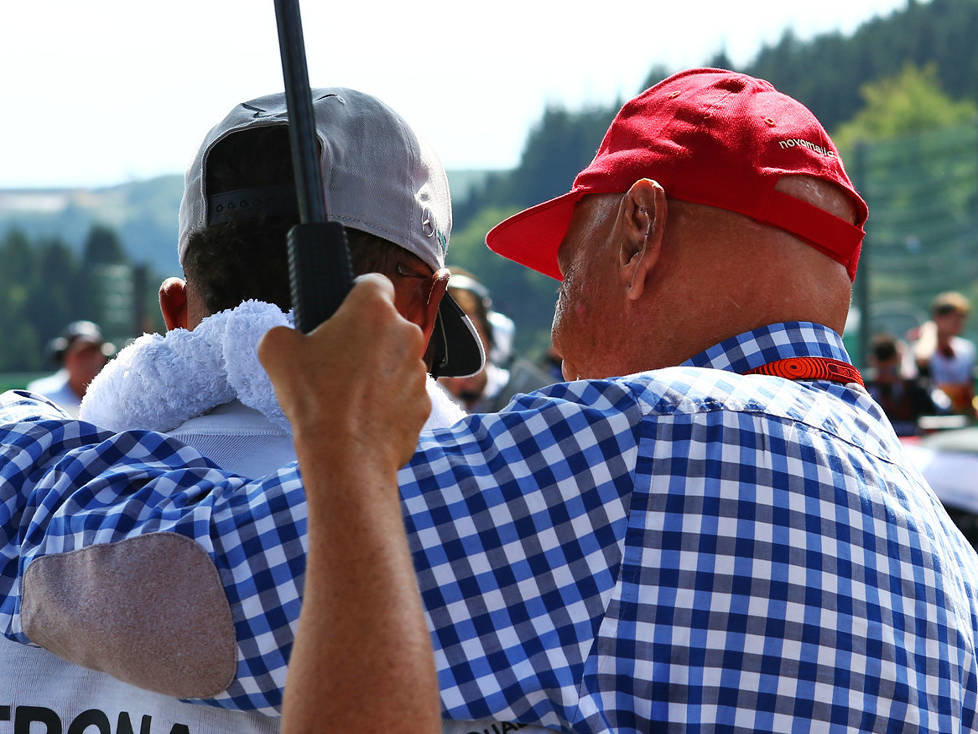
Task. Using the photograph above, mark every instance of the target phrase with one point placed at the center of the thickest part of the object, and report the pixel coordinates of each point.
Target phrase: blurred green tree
(102, 246)
(910, 102)
(911, 153)
(524, 295)
(45, 285)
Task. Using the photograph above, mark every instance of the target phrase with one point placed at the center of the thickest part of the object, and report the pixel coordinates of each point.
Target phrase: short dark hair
(884, 347)
(246, 258)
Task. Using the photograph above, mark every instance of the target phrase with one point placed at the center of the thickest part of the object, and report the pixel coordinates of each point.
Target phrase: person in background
(944, 356)
(503, 334)
(903, 399)
(81, 352)
(551, 363)
(490, 389)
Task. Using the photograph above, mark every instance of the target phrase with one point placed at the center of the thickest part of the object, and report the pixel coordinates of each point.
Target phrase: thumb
(277, 347)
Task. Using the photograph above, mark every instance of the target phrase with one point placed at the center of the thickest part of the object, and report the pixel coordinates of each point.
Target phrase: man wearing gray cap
(202, 382)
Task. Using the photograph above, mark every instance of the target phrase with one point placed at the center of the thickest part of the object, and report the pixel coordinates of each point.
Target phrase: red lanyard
(810, 368)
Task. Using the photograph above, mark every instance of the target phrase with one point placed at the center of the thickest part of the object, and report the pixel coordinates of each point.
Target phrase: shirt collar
(770, 343)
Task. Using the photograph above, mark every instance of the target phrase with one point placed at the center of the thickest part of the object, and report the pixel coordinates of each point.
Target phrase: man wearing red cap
(710, 527)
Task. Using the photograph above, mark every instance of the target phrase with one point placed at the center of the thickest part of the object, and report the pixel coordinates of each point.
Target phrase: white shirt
(56, 389)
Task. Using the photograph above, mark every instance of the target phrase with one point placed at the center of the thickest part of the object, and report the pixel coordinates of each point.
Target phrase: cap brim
(532, 237)
(461, 348)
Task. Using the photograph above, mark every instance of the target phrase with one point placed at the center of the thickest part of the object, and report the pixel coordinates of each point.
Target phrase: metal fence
(922, 234)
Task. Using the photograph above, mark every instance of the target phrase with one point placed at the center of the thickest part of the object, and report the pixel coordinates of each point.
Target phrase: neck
(77, 386)
(698, 305)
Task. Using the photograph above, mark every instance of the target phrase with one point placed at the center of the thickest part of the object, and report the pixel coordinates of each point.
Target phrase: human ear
(173, 303)
(641, 224)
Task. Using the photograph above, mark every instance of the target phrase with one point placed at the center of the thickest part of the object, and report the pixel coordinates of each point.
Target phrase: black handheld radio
(320, 274)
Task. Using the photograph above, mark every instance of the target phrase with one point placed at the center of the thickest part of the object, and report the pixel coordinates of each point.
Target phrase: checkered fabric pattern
(67, 485)
(688, 549)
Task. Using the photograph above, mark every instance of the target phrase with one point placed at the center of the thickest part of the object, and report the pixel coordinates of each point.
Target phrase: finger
(371, 296)
(417, 408)
(371, 306)
(278, 346)
(409, 335)
(375, 283)
(422, 387)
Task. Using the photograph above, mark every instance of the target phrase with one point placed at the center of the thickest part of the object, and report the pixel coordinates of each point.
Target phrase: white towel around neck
(160, 381)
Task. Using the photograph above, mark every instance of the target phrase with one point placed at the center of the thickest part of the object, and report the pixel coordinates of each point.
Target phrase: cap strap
(828, 233)
(279, 201)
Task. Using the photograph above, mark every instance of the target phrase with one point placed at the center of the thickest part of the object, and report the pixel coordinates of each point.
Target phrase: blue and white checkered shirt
(688, 548)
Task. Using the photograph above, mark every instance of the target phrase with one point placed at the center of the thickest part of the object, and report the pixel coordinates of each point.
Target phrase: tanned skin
(354, 392)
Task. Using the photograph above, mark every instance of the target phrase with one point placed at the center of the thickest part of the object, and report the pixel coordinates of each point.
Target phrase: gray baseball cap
(379, 177)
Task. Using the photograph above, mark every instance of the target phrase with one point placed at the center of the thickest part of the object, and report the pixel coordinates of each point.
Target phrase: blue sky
(106, 91)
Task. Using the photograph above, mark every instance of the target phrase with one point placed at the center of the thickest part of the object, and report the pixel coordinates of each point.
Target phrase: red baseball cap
(709, 136)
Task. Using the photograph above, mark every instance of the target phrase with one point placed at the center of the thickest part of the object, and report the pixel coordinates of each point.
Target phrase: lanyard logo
(810, 368)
